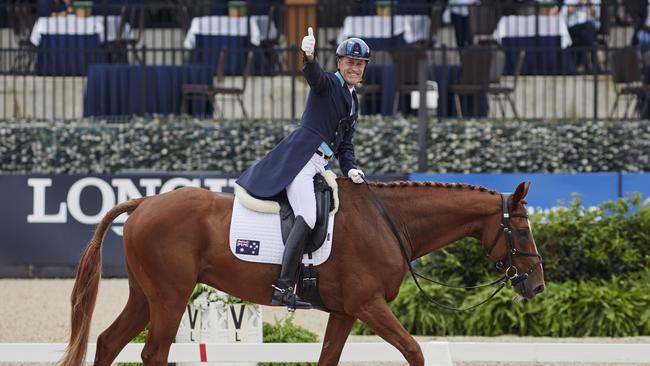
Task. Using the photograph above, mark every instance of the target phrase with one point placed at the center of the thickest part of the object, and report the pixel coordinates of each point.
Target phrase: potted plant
(82, 8)
(383, 7)
(237, 8)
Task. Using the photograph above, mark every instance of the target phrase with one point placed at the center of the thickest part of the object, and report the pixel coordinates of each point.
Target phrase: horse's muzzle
(528, 289)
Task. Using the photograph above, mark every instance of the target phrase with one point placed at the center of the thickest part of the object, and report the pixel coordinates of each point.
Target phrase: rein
(515, 278)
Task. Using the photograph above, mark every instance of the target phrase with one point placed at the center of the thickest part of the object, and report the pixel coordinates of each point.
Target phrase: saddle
(326, 190)
(327, 203)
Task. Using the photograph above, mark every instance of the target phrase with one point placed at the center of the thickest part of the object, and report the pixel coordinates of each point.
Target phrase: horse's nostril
(539, 289)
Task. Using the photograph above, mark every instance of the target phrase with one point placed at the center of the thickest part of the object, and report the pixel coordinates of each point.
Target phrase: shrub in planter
(643, 281)
(502, 314)
(285, 331)
(614, 308)
(598, 242)
(569, 309)
(576, 243)
(595, 308)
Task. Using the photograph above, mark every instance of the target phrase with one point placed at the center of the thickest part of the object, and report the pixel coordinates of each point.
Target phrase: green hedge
(616, 308)
(576, 243)
(383, 145)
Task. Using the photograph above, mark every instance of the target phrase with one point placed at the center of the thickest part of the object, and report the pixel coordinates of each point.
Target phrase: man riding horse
(325, 130)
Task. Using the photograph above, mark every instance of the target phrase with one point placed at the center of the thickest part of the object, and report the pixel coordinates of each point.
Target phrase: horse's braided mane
(406, 183)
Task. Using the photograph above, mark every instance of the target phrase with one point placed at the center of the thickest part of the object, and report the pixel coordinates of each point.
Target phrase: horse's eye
(523, 232)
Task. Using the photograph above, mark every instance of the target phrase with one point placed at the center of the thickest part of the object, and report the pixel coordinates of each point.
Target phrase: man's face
(351, 69)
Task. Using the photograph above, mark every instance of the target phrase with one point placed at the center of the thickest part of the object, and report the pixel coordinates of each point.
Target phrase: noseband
(511, 272)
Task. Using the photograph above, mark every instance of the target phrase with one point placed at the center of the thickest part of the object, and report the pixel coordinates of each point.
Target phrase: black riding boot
(291, 259)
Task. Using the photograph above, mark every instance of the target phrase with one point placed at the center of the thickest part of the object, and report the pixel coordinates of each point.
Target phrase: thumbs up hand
(308, 43)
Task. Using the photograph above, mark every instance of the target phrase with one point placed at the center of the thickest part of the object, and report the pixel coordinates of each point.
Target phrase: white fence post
(436, 354)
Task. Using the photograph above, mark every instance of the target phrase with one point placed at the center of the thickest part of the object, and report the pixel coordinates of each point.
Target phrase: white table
(545, 46)
(74, 25)
(261, 28)
(514, 26)
(412, 27)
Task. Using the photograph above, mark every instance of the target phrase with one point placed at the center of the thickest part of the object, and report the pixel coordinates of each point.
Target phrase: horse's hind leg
(166, 313)
(378, 317)
(167, 288)
(338, 329)
(128, 324)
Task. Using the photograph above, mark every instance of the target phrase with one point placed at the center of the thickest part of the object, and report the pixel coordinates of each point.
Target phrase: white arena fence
(436, 353)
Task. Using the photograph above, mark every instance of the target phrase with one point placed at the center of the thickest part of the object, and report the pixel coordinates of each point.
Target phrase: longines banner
(47, 220)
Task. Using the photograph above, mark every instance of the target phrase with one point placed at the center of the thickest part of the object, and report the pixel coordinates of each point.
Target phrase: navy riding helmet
(354, 48)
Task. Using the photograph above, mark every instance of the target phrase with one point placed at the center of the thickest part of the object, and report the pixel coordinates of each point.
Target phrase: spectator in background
(631, 12)
(642, 28)
(583, 19)
(414, 7)
(549, 8)
(519, 7)
(459, 10)
(48, 8)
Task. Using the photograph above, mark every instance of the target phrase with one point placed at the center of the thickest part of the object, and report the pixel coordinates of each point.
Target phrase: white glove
(356, 175)
(309, 42)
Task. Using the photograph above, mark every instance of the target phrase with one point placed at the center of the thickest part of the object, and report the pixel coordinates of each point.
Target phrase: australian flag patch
(245, 246)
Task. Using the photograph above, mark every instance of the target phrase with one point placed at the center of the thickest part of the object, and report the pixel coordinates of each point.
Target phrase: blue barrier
(635, 182)
(547, 189)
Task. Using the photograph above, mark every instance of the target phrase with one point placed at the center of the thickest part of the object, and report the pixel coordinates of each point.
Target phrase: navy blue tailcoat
(326, 118)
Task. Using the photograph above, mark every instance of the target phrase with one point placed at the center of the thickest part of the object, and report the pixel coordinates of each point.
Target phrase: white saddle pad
(257, 237)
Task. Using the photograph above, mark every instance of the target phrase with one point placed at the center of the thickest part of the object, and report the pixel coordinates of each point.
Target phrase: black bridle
(511, 272)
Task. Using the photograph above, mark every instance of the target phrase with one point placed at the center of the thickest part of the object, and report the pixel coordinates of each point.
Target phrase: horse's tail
(86, 286)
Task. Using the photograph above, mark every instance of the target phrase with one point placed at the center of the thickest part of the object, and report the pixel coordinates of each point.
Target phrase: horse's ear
(520, 192)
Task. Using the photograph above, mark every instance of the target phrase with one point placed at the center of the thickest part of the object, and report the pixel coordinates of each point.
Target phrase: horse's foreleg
(128, 324)
(378, 316)
(338, 329)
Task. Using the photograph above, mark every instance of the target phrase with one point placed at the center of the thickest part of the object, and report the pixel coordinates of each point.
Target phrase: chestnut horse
(176, 239)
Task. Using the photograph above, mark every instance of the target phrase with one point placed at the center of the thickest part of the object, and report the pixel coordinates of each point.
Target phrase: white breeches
(300, 191)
